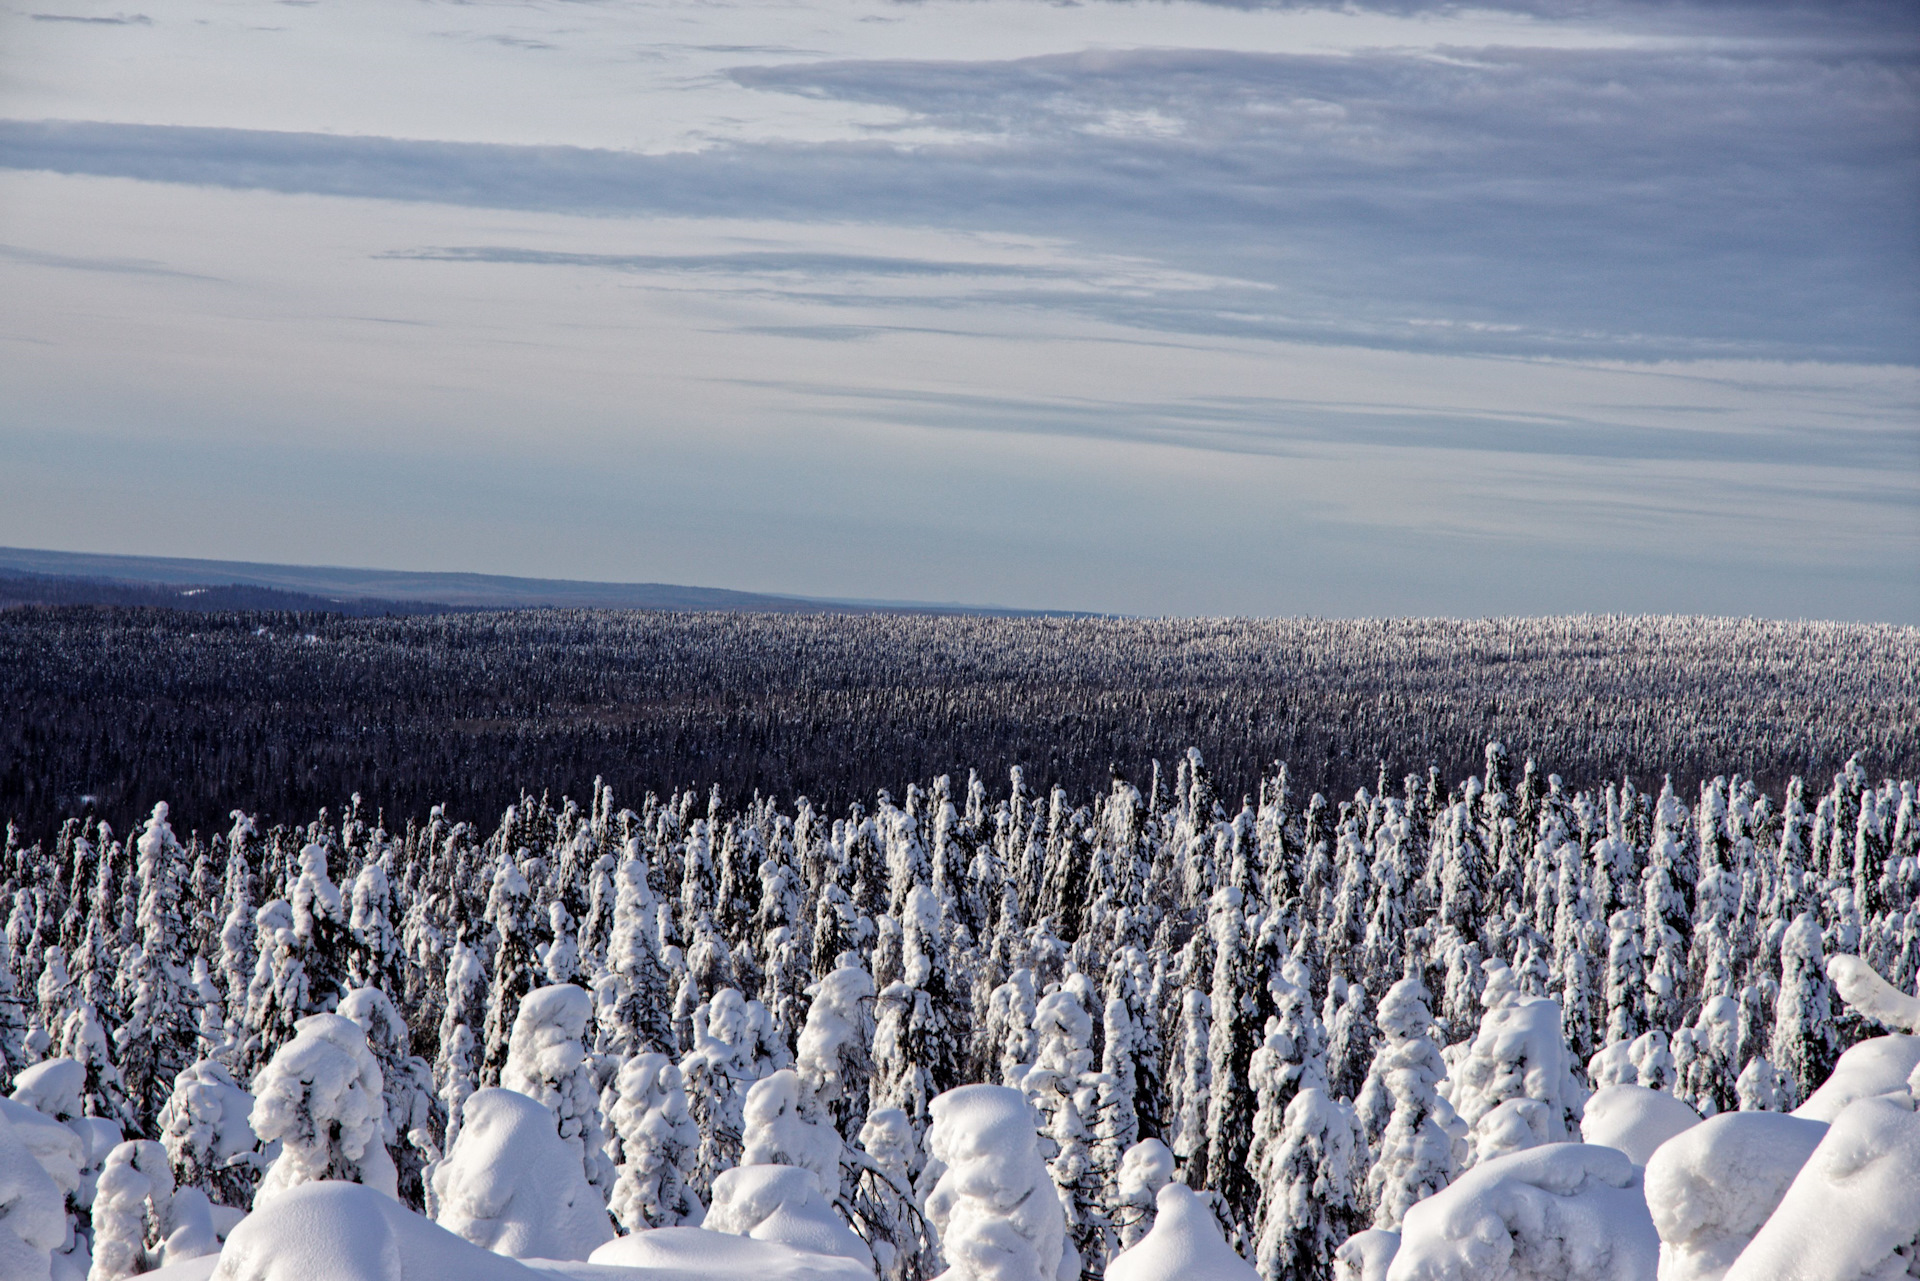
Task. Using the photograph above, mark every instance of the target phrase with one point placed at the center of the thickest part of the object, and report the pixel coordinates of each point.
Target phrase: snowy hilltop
(1498, 1031)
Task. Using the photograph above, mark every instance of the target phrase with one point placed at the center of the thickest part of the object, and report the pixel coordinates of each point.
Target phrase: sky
(1141, 306)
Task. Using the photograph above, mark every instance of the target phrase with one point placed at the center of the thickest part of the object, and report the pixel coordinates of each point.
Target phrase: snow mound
(348, 1232)
(1635, 1120)
(1185, 1245)
(1366, 1256)
(778, 1134)
(513, 1186)
(1711, 1187)
(33, 1208)
(1853, 1211)
(993, 1202)
(1879, 1065)
(1563, 1212)
(785, 1204)
(699, 1254)
(1861, 986)
(53, 1088)
(53, 1146)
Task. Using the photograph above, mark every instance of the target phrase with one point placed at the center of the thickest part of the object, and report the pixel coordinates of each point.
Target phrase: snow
(992, 1200)
(696, 1254)
(1366, 1256)
(784, 1204)
(513, 1186)
(1185, 1245)
(1563, 1212)
(547, 1060)
(778, 1134)
(321, 1098)
(1880, 1065)
(33, 1211)
(332, 1231)
(1861, 986)
(1635, 1119)
(1853, 1211)
(53, 1088)
(1710, 1187)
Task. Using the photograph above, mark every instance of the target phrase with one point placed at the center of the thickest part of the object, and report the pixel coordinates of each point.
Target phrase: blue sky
(1155, 307)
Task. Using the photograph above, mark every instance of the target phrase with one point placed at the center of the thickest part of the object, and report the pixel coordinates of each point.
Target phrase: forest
(111, 710)
(982, 1029)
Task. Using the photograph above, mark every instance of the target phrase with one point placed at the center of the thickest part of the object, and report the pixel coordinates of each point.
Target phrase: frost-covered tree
(547, 1060)
(991, 1201)
(321, 1098)
(412, 1127)
(1311, 1185)
(207, 1137)
(140, 1220)
(1415, 1154)
(657, 1142)
(1804, 1045)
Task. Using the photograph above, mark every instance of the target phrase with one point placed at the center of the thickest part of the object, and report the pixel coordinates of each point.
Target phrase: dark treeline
(110, 710)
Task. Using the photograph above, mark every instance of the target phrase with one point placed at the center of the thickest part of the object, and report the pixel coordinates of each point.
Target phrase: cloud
(119, 20)
(1637, 202)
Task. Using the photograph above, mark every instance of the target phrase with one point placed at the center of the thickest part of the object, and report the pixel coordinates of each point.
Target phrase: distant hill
(30, 576)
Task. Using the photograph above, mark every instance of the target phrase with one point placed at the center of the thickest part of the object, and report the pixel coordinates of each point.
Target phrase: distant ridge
(64, 578)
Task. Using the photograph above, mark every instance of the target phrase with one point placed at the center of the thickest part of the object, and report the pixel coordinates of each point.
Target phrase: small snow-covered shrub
(1184, 1245)
(1563, 1212)
(513, 1186)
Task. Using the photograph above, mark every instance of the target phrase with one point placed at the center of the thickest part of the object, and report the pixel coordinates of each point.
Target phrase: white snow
(1366, 1256)
(33, 1211)
(1880, 1065)
(784, 1204)
(1185, 1245)
(992, 1201)
(511, 1185)
(696, 1254)
(1635, 1119)
(332, 1231)
(1710, 1187)
(1563, 1212)
(1853, 1211)
(321, 1098)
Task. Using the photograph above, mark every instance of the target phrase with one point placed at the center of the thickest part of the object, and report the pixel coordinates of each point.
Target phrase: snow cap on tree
(992, 1200)
(321, 1097)
(547, 1061)
(512, 1186)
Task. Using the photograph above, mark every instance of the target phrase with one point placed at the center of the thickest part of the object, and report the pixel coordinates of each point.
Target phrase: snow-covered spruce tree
(1311, 1185)
(14, 1054)
(634, 1006)
(207, 1137)
(1144, 1169)
(1232, 1039)
(140, 1221)
(1804, 1045)
(732, 1048)
(321, 1098)
(413, 1129)
(990, 1201)
(547, 1060)
(1666, 888)
(833, 1056)
(1415, 1153)
(321, 925)
(456, 1067)
(509, 911)
(1350, 1039)
(917, 1048)
(1626, 978)
(1514, 1087)
(278, 994)
(157, 1040)
(657, 1143)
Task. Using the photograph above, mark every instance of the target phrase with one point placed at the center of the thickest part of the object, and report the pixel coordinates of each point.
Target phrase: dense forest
(110, 710)
(1004, 1031)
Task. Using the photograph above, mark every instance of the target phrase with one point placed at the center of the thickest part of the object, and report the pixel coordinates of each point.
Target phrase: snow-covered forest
(282, 714)
(1436, 1027)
